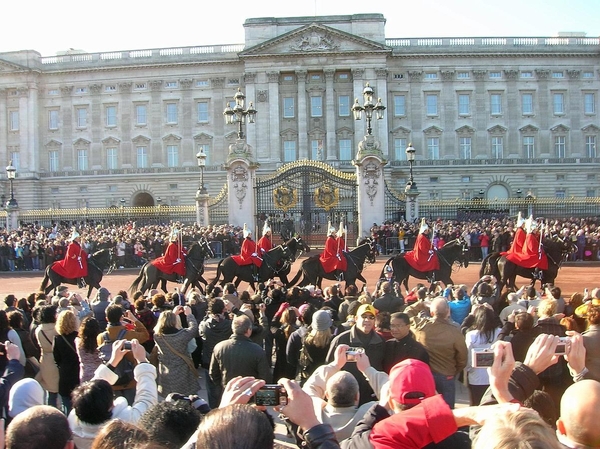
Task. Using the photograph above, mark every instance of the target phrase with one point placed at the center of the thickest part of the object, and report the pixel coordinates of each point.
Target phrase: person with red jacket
(74, 264)
(173, 260)
(532, 254)
(249, 253)
(332, 258)
(423, 257)
(519, 237)
(264, 244)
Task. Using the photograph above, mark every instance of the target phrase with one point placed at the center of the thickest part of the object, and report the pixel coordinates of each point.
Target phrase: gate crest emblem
(327, 197)
(285, 198)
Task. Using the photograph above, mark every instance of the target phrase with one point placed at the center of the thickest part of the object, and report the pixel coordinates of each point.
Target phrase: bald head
(578, 406)
(39, 427)
(439, 308)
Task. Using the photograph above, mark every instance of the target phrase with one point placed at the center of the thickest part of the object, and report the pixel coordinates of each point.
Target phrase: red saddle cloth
(172, 261)
(74, 265)
(329, 257)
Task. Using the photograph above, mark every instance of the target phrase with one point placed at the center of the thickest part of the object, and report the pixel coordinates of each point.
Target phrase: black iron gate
(303, 196)
(395, 205)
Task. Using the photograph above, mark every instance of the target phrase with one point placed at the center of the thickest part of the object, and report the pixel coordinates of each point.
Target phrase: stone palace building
(497, 117)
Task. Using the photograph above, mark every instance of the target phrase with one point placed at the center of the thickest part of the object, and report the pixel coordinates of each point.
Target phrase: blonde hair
(66, 323)
(320, 339)
(167, 320)
(547, 307)
(522, 429)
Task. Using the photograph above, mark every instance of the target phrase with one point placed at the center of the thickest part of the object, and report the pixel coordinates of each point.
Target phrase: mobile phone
(271, 395)
(561, 347)
(127, 346)
(482, 358)
(351, 353)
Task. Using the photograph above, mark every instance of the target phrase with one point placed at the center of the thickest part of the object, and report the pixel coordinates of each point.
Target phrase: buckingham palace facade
(498, 117)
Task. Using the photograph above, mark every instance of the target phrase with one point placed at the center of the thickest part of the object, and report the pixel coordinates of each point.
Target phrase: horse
(296, 246)
(452, 252)
(150, 276)
(557, 250)
(97, 263)
(313, 274)
(274, 262)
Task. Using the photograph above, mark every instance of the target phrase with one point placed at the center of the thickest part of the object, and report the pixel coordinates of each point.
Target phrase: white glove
(178, 260)
(254, 255)
(339, 257)
(89, 255)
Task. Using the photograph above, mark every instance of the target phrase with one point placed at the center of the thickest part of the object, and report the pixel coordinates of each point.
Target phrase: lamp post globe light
(201, 158)
(12, 207)
(411, 191)
(368, 107)
(202, 193)
(237, 114)
(11, 173)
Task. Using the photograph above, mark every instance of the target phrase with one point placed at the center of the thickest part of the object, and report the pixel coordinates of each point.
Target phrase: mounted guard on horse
(75, 263)
(252, 253)
(333, 258)
(173, 260)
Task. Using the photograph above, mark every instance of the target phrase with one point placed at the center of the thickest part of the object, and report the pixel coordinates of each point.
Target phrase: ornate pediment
(6, 67)
(81, 142)
(140, 139)
(497, 129)
(560, 129)
(433, 131)
(590, 129)
(314, 39)
(465, 129)
(203, 136)
(400, 131)
(529, 129)
(52, 143)
(110, 140)
(171, 136)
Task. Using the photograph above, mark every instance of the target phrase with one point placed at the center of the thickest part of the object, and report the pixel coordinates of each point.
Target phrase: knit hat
(321, 320)
(103, 294)
(25, 394)
(411, 381)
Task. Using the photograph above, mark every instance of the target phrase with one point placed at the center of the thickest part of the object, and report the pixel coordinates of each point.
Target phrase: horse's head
(372, 253)
(207, 251)
(104, 258)
(302, 246)
(559, 250)
(463, 250)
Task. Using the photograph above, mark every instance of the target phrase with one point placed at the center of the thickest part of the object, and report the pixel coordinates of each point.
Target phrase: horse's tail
(218, 275)
(45, 280)
(136, 282)
(387, 262)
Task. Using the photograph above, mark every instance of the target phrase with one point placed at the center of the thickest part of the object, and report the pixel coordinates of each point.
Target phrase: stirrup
(81, 283)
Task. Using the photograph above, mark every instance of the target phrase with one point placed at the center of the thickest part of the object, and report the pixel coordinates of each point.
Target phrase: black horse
(557, 251)
(451, 252)
(297, 246)
(97, 263)
(313, 274)
(274, 262)
(150, 276)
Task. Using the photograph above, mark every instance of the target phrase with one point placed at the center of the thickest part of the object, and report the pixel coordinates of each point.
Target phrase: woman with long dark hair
(281, 335)
(482, 334)
(86, 344)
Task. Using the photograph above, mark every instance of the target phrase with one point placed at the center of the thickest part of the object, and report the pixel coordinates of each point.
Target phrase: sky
(110, 25)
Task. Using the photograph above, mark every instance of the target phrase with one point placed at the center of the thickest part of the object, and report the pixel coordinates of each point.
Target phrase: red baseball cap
(411, 381)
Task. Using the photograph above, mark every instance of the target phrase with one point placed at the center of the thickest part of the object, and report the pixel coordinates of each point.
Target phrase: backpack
(125, 368)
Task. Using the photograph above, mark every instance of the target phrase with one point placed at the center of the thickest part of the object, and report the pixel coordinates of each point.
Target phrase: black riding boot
(339, 275)
(81, 283)
(254, 273)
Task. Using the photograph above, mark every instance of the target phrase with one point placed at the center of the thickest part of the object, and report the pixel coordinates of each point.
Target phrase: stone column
(202, 218)
(303, 115)
(12, 217)
(241, 174)
(369, 165)
(412, 205)
(274, 154)
(330, 115)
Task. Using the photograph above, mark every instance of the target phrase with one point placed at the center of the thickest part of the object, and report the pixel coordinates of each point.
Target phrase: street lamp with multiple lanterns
(11, 173)
(368, 107)
(411, 190)
(238, 114)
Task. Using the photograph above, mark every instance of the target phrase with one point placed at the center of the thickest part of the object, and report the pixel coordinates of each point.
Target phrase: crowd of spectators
(355, 368)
